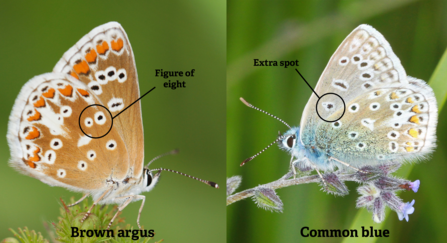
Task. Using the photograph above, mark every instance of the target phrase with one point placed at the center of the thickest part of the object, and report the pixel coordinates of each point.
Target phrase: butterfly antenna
(209, 183)
(175, 151)
(265, 112)
(254, 156)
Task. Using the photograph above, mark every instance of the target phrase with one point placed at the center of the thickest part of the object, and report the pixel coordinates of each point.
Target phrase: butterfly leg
(80, 200)
(324, 181)
(292, 166)
(94, 203)
(141, 208)
(129, 199)
(346, 164)
(120, 208)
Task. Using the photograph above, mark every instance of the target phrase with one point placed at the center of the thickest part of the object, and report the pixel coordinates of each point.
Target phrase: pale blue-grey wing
(369, 77)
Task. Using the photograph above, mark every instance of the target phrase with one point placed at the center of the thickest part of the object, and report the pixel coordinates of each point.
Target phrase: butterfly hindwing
(386, 116)
(50, 144)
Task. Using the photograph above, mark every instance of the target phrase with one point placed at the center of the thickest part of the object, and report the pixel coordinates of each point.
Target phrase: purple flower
(415, 185)
(405, 210)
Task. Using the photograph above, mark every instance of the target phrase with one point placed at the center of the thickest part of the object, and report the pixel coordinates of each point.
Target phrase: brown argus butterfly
(66, 127)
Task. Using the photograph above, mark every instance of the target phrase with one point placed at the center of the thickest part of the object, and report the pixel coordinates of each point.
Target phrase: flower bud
(267, 199)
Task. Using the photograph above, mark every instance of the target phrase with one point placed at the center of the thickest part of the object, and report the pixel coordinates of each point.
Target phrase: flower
(415, 185)
(405, 210)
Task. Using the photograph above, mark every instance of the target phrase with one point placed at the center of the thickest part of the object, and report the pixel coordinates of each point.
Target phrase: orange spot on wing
(75, 75)
(39, 103)
(49, 93)
(414, 119)
(33, 134)
(81, 67)
(36, 116)
(102, 49)
(36, 157)
(91, 56)
(117, 45)
(67, 91)
(31, 164)
(413, 132)
(415, 109)
(83, 92)
(409, 100)
(394, 96)
(409, 149)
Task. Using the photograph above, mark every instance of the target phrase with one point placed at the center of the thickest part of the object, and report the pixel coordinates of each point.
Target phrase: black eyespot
(290, 141)
(356, 59)
(116, 104)
(91, 155)
(396, 106)
(56, 143)
(121, 75)
(111, 73)
(374, 106)
(111, 145)
(363, 64)
(102, 77)
(99, 118)
(65, 111)
(95, 87)
(399, 113)
(337, 124)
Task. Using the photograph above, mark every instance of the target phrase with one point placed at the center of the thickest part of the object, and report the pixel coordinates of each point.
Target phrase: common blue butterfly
(367, 112)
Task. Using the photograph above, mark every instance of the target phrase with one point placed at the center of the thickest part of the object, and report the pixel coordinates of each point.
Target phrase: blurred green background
(174, 35)
(310, 31)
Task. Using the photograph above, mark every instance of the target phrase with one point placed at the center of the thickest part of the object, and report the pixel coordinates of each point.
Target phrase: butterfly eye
(148, 178)
(291, 141)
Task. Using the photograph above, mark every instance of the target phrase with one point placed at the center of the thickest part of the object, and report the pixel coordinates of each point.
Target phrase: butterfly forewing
(386, 116)
(104, 61)
(51, 144)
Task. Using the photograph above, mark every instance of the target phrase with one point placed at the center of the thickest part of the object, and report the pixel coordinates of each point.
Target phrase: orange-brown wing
(47, 142)
(104, 61)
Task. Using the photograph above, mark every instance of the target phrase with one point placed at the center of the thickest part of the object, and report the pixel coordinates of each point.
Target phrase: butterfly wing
(387, 116)
(104, 61)
(47, 142)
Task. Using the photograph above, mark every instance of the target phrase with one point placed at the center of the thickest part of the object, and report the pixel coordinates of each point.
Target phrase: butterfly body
(378, 115)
